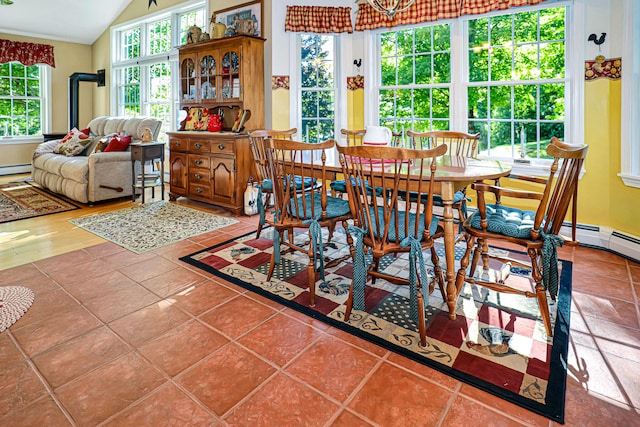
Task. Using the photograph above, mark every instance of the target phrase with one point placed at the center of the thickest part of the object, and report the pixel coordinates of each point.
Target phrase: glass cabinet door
(230, 75)
(188, 80)
(208, 74)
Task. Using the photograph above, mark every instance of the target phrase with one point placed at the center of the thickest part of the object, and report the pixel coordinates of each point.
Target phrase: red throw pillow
(118, 144)
(86, 131)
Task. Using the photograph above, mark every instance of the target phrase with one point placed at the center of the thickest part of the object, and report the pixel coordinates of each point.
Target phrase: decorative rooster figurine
(597, 41)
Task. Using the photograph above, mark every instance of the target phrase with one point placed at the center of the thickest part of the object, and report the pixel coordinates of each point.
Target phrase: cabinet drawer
(200, 190)
(198, 146)
(199, 176)
(196, 161)
(177, 144)
(225, 147)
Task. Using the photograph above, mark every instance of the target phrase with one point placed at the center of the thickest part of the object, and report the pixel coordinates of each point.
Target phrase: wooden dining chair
(460, 144)
(536, 230)
(392, 224)
(354, 138)
(309, 207)
(257, 142)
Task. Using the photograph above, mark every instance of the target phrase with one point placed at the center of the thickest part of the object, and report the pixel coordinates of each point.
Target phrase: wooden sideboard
(211, 167)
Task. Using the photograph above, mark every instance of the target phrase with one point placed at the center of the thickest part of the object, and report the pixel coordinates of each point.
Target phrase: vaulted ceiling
(79, 21)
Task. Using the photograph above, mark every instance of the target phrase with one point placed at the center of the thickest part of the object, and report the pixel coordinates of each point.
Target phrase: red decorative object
(603, 69)
(215, 123)
(355, 83)
(26, 53)
(280, 82)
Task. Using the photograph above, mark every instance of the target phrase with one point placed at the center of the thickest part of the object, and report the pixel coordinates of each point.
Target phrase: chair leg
(541, 295)
(311, 272)
(347, 312)
(422, 327)
(439, 275)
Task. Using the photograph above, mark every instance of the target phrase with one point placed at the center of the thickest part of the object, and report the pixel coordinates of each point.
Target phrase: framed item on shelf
(251, 11)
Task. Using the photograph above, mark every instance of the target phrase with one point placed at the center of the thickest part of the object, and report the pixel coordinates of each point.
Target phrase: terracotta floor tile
(69, 261)
(168, 406)
(464, 410)
(604, 328)
(423, 370)
(237, 316)
(126, 258)
(46, 305)
(603, 268)
(9, 353)
(587, 255)
(19, 387)
(109, 389)
(179, 249)
(501, 406)
(227, 377)
(635, 274)
(208, 236)
(15, 275)
(182, 347)
(149, 268)
(333, 367)
(612, 310)
(43, 412)
(283, 402)
(39, 284)
(393, 397)
(90, 268)
(172, 281)
(348, 419)
(308, 320)
(100, 285)
(587, 409)
(105, 249)
(359, 342)
(280, 339)
(79, 355)
(41, 336)
(625, 371)
(149, 322)
(121, 302)
(592, 284)
(203, 296)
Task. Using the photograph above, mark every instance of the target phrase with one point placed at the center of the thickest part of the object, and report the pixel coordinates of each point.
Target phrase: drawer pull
(177, 143)
(198, 145)
(198, 176)
(198, 190)
(221, 146)
(198, 162)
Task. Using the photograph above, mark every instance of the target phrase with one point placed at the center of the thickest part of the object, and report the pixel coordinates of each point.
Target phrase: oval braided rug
(14, 303)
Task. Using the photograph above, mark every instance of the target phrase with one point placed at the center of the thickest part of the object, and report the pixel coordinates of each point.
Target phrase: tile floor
(116, 339)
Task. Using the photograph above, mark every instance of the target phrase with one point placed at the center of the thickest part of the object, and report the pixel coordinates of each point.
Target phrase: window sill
(21, 139)
(630, 180)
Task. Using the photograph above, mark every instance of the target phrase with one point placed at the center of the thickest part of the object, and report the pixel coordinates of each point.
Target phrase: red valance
(432, 10)
(318, 19)
(26, 53)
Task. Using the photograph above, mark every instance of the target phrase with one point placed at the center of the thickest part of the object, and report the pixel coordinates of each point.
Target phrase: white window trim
(574, 88)
(630, 120)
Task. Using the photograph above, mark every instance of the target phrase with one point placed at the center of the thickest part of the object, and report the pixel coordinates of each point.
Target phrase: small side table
(144, 152)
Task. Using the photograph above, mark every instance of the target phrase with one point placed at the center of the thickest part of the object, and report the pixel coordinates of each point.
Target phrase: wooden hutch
(223, 75)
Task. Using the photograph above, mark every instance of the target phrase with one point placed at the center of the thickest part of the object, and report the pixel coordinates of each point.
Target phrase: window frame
(145, 60)
(574, 88)
(45, 109)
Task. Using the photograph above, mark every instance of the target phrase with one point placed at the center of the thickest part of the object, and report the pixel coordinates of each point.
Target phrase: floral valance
(432, 10)
(26, 53)
(318, 19)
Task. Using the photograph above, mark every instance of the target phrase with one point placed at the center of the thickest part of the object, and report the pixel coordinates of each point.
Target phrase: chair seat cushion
(458, 197)
(402, 233)
(505, 220)
(336, 207)
(340, 186)
(267, 184)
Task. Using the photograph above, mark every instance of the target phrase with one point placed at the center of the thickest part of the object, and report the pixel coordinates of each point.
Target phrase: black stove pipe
(74, 89)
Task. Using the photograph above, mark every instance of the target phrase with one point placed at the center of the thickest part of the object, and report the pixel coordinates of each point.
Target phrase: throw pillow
(72, 144)
(118, 144)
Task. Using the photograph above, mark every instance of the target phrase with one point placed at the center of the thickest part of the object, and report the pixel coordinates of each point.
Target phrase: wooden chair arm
(537, 180)
(481, 187)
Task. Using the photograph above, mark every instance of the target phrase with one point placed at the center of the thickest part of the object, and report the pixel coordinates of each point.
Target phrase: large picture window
(21, 99)
(145, 66)
(512, 89)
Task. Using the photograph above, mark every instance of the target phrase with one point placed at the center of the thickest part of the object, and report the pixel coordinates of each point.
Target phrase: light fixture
(390, 7)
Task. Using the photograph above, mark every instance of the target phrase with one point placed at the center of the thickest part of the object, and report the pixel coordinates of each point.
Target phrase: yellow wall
(280, 105)
(355, 109)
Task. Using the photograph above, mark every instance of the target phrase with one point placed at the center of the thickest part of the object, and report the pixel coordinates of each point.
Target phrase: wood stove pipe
(74, 89)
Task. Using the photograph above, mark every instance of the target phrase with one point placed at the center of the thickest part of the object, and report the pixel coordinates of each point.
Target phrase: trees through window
(21, 99)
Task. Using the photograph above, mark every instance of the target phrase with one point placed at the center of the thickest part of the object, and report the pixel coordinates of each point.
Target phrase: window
(145, 67)
(317, 86)
(511, 89)
(22, 99)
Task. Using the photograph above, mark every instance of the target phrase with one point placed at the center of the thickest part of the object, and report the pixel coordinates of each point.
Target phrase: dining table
(453, 173)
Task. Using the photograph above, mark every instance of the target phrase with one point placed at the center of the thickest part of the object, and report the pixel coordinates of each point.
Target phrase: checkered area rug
(497, 341)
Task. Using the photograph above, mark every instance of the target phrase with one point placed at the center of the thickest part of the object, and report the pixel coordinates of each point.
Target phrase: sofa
(92, 176)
